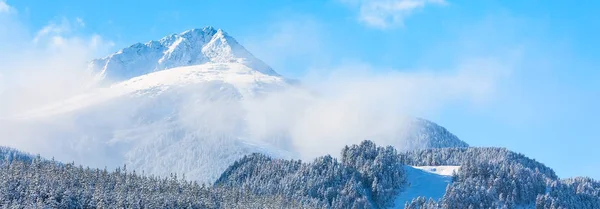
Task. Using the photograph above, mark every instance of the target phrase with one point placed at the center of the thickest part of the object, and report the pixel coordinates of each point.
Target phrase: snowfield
(247, 81)
(426, 181)
(444, 170)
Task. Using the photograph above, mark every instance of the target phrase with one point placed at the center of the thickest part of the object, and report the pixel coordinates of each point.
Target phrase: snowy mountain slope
(191, 47)
(186, 104)
(425, 181)
(444, 170)
(188, 120)
(244, 79)
(424, 134)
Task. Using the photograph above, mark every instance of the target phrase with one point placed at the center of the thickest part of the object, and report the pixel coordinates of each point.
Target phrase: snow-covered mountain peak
(208, 30)
(191, 47)
(193, 103)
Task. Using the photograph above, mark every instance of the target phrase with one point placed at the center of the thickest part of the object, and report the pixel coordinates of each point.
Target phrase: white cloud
(46, 65)
(39, 66)
(358, 101)
(5, 8)
(53, 30)
(80, 21)
(388, 13)
(64, 34)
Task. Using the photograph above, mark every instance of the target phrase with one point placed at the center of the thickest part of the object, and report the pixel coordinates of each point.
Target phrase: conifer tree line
(499, 178)
(32, 182)
(476, 155)
(365, 176)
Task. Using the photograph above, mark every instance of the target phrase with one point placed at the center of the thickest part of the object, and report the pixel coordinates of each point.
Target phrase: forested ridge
(473, 155)
(365, 176)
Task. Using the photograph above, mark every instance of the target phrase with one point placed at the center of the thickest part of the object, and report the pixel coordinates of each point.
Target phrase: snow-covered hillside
(191, 103)
(424, 134)
(247, 81)
(425, 181)
(187, 120)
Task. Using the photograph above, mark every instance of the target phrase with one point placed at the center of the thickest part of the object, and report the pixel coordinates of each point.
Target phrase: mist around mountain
(196, 101)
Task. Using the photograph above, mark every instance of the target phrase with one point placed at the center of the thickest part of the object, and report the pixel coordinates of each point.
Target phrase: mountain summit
(191, 47)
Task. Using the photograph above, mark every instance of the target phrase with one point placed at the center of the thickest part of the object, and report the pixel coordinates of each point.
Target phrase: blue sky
(546, 94)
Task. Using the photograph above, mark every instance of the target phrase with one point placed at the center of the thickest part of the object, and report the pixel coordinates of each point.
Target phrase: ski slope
(426, 181)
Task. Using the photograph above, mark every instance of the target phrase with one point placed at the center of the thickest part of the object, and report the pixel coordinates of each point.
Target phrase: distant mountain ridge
(191, 47)
(8, 154)
(425, 134)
